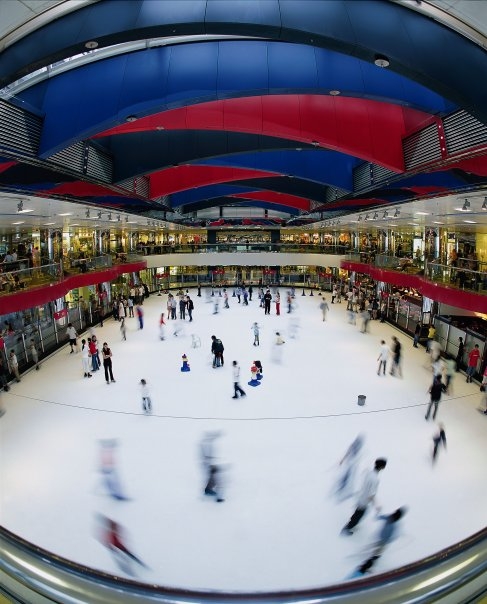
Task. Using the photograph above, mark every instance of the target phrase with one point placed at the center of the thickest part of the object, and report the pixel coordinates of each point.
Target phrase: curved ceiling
(298, 118)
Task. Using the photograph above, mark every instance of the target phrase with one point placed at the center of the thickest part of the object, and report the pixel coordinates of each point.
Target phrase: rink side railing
(457, 574)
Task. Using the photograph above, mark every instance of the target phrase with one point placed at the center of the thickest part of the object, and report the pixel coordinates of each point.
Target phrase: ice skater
(107, 363)
(436, 390)
(162, 327)
(384, 353)
(34, 354)
(256, 330)
(225, 298)
(123, 329)
(146, 399)
(277, 348)
(236, 378)
(211, 466)
(72, 335)
(439, 438)
(387, 533)
(349, 465)
(366, 495)
(111, 536)
(324, 308)
(108, 470)
(85, 358)
(139, 312)
(216, 306)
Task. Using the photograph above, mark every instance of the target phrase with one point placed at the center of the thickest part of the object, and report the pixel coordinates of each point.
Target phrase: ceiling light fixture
(109, 215)
(484, 205)
(66, 214)
(87, 213)
(359, 218)
(99, 215)
(334, 92)
(466, 205)
(131, 118)
(470, 221)
(381, 61)
(119, 218)
(396, 213)
(19, 222)
(126, 218)
(366, 217)
(20, 206)
(91, 44)
(375, 216)
(386, 214)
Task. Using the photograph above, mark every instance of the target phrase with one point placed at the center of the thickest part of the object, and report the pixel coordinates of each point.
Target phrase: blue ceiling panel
(242, 65)
(318, 165)
(189, 78)
(209, 192)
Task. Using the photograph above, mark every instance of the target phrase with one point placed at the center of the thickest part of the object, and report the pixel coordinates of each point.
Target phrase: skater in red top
(473, 359)
(111, 537)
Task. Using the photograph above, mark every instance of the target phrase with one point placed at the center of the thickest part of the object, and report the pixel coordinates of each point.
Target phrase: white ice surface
(279, 527)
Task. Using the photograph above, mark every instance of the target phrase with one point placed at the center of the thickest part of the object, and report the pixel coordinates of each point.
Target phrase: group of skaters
(90, 353)
(182, 303)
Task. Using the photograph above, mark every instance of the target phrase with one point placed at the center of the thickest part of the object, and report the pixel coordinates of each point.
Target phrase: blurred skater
(162, 327)
(384, 353)
(146, 400)
(349, 464)
(236, 378)
(34, 354)
(387, 533)
(211, 466)
(256, 330)
(436, 390)
(108, 470)
(439, 438)
(85, 358)
(366, 495)
(324, 308)
(111, 536)
(123, 329)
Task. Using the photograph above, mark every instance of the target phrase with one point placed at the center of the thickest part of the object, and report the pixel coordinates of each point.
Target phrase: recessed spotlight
(91, 44)
(48, 223)
(131, 118)
(422, 213)
(438, 222)
(20, 222)
(66, 214)
(334, 92)
(381, 61)
(74, 224)
(470, 221)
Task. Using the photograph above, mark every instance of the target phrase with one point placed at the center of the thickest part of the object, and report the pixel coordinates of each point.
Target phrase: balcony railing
(202, 248)
(24, 278)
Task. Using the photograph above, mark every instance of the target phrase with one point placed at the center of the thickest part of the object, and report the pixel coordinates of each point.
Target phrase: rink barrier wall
(455, 575)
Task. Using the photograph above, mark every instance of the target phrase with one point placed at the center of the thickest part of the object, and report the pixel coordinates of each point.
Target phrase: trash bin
(361, 399)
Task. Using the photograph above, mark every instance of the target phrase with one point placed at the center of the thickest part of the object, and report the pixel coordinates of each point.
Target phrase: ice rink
(279, 526)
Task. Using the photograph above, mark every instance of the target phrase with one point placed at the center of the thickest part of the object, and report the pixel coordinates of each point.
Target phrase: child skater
(146, 401)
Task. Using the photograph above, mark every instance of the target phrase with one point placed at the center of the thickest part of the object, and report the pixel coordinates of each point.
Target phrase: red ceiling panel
(364, 128)
(273, 197)
(181, 178)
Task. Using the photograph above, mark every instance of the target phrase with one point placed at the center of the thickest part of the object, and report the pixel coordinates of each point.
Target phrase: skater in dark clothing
(461, 349)
(267, 302)
(387, 534)
(436, 390)
(209, 460)
(107, 362)
(217, 349)
(439, 439)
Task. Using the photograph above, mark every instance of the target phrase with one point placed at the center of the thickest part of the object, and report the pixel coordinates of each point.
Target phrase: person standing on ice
(256, 330)
(211, 465)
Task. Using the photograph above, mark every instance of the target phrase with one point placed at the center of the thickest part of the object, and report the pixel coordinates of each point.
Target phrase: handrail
(460, 566)
(279, 246)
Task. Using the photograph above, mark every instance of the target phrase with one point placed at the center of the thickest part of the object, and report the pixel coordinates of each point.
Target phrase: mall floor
(280, 446)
